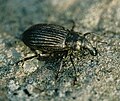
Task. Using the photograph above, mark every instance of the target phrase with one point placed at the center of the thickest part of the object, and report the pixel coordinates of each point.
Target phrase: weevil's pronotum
(55, 43)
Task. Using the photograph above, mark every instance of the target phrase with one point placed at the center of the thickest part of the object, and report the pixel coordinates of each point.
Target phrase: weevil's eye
(94, 51)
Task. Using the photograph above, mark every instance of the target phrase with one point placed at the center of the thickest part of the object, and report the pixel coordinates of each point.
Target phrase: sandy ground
(98, 77)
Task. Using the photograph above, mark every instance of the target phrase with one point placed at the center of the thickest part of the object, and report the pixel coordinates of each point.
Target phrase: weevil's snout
(87, 45)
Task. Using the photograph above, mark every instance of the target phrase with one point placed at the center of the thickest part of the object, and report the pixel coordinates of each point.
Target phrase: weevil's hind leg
(40, 57)
(75, 75)
(25, 59)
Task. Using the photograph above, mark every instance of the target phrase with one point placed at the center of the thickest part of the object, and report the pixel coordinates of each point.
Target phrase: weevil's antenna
(97, 46)
(85, 34)
(73, 25)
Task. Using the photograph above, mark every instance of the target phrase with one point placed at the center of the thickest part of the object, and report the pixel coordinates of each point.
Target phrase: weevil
(52, 43)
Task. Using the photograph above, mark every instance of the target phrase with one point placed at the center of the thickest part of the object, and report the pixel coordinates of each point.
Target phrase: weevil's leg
(25, 59)
(40, 57)
(64, 55)
(58, 71)
(75, 78)
(60, 64)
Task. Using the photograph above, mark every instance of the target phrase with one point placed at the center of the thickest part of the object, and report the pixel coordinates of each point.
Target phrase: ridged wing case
(45, 37)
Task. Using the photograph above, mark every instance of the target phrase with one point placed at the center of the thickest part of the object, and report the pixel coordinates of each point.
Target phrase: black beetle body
(55, 42)
(45, 37)
(50, 38)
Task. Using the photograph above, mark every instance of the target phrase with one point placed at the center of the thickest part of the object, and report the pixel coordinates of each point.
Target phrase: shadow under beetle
(52, 43)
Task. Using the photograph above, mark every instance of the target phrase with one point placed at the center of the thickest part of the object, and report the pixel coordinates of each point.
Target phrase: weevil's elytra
(45, 37)
(55, 42)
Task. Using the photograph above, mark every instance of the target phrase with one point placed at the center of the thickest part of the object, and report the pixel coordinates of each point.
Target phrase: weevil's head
(78, 42)
(83, 44)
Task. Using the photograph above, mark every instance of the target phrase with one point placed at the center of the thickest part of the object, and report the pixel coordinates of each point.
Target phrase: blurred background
(96, 82)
